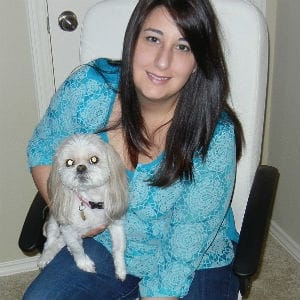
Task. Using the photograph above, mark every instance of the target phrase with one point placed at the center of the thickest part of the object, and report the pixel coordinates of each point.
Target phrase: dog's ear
(59, 196)
(118, 185)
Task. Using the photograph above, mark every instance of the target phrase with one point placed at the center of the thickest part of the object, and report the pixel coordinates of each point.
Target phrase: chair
(245, 41)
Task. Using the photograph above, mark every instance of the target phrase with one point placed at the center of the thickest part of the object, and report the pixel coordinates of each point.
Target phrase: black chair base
(31, 240)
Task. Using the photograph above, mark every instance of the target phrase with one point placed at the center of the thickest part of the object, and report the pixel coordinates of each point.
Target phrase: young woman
(164, 110)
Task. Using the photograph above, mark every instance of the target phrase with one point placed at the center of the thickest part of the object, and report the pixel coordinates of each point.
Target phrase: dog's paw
(42, 263)
(121, 273)
(86, 264)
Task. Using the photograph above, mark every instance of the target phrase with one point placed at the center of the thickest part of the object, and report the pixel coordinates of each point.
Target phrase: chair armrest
(31, 239)
(255, 224)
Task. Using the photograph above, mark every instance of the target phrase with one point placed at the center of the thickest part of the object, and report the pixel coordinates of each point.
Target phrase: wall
(17, 118)
(282, 139)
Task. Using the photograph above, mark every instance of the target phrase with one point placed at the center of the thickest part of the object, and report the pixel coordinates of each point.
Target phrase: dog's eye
(69, 162)
(94, 160)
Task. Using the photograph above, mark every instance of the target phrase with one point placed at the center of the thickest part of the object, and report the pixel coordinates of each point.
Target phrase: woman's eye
(94, 160)
(69, 162)
(152, 39)
(183, 47)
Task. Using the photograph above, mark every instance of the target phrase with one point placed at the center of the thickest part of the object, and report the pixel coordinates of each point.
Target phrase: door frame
(40, 44)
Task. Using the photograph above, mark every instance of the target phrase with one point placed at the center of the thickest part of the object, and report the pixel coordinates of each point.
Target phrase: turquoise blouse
(173, 231)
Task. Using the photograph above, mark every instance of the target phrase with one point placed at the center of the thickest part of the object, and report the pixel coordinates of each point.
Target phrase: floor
(278, 278)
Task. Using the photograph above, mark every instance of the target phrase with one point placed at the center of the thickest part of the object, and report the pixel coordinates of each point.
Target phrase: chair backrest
(245, 41)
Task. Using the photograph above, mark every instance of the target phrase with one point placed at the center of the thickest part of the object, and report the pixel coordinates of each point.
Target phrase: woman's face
(162, 61)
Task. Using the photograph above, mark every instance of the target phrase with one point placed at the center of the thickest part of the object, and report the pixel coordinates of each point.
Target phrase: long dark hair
(202, 99)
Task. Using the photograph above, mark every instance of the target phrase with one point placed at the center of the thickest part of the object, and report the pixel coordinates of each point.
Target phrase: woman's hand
(95, 231)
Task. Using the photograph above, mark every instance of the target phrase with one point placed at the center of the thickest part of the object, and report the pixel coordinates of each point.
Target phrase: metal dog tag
(81, 211)
(82, 215)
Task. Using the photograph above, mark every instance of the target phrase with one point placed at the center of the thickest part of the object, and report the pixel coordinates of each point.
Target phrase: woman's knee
(62, 279)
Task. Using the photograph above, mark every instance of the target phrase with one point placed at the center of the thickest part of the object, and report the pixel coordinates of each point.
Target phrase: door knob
(67, 21)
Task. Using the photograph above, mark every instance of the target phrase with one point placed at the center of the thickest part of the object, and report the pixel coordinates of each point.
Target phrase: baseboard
(285, 240)
(18, 266)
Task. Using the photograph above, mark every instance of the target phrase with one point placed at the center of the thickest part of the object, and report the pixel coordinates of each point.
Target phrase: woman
(164, 110)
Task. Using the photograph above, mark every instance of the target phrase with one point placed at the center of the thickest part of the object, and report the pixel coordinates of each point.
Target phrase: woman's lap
(211, 284)
(62, 279)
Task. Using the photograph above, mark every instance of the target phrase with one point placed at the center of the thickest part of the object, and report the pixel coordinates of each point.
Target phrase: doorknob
(68, 21)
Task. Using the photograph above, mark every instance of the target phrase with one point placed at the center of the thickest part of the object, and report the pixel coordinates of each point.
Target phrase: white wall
(282, 138)
(17, 118)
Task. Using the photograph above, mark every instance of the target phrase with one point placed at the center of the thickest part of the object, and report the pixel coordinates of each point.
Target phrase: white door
(65, 20)
(55, 52)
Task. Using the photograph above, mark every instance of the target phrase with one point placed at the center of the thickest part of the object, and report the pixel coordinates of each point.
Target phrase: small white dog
(87, 188)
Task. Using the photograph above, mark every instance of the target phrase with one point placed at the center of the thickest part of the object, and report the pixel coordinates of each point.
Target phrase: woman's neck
(157, 115)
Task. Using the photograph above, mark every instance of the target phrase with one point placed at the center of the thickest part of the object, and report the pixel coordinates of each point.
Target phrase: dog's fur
(85, 169)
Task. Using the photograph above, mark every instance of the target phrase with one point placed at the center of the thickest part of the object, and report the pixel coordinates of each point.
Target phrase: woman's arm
(81, 105)
(40, 175)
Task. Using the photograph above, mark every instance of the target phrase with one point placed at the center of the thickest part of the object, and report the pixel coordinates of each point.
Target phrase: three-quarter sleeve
(81, 105)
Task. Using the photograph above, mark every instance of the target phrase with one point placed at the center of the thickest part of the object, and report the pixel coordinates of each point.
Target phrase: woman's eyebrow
(182, 39)
(153, 30)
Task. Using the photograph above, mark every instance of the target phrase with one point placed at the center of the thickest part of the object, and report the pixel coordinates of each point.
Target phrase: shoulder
(224, 133)
(224, 124)
(98, 79)
(99, 71)
(104, 68)
(222, 148)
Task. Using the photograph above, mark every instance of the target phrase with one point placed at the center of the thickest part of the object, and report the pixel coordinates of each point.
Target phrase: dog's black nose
(81, 169)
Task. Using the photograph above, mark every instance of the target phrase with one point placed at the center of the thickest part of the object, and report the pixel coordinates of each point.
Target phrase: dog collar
(90, 204)
(99, 205)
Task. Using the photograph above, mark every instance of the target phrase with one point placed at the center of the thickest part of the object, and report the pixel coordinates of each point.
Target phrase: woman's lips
(157, 78)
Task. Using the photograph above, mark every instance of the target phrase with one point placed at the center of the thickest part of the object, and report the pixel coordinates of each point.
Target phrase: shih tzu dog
(87, 188)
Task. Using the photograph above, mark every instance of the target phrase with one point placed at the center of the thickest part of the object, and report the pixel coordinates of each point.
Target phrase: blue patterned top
(173, 231)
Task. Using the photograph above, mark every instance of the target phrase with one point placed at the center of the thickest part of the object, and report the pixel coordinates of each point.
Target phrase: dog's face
(84, 163)
(81, 162)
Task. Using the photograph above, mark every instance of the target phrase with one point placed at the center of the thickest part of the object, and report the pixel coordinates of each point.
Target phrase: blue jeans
(63, 280)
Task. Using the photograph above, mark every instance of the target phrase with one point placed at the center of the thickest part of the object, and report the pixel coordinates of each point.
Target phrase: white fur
(104, 180)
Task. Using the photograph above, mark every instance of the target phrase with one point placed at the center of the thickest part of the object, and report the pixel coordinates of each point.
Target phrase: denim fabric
(62, 280)
(214, 284)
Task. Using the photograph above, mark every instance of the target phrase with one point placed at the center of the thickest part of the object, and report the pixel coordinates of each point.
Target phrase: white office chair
(245, 41)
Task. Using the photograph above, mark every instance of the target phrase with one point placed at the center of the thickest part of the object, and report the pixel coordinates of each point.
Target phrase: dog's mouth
(81, 173)
(83, 178)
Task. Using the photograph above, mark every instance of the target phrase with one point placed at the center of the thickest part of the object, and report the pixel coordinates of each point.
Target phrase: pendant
(81, 211)
(82, 215)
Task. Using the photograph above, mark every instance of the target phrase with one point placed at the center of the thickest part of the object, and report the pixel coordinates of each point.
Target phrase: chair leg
(245, 285)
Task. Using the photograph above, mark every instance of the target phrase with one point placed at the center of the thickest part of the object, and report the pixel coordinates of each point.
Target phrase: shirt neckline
(144, 166)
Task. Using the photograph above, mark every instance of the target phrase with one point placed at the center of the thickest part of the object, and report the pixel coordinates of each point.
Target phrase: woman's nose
(163, 58)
